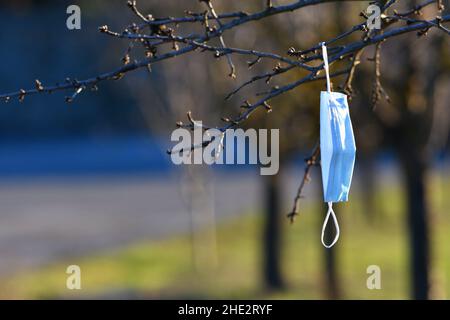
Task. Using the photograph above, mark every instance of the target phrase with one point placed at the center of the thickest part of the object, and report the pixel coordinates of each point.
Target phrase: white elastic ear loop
(326, 67)
(336, 224)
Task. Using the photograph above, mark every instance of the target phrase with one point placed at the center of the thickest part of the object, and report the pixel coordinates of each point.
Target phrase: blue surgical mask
(337, 149)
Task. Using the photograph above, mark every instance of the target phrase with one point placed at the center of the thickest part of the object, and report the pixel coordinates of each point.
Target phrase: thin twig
(311, 161)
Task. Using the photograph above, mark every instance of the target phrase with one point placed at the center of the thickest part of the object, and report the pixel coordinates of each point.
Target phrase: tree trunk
(331, 285)
(415, 153)
(273, 279)
(333, 289)
(415, 171)
(331, 276)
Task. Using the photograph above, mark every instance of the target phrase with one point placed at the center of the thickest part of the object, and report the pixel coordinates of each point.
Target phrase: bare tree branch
(153, 34)
(311, 161)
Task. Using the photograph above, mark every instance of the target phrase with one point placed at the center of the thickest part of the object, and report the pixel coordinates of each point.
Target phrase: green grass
(165, 268)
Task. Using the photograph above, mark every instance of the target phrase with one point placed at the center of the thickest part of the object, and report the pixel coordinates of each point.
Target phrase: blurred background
(89, 183)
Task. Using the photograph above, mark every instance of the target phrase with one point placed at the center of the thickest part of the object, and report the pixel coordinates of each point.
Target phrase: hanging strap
(336, 224)
(330, 211)
(325, 64)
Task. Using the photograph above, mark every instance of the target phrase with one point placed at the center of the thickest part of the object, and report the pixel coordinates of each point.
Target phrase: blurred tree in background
(413, 70)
